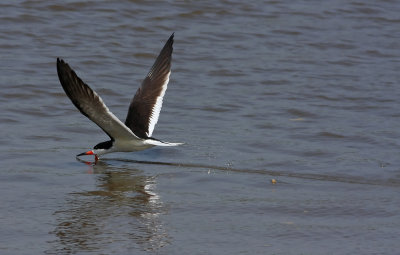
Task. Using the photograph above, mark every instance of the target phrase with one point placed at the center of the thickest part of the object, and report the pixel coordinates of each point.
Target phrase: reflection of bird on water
(122, 205)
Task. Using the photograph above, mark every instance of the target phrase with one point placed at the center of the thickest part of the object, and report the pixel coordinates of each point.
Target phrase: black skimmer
(143, 113)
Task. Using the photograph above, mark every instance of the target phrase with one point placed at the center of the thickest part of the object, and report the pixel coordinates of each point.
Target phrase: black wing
(145, 106)
(90, 104)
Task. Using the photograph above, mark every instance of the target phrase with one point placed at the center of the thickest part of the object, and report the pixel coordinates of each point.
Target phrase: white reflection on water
(121, 213)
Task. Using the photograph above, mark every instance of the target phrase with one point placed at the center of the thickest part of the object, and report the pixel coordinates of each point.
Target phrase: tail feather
(161, 143)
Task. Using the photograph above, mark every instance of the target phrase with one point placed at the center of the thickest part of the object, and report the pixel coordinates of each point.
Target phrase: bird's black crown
(104, 145)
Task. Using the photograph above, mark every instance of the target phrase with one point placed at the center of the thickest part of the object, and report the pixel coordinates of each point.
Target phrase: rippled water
(303, 92)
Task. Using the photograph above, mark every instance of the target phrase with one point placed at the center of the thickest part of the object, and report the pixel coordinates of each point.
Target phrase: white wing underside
(145, 107)
(155, 113)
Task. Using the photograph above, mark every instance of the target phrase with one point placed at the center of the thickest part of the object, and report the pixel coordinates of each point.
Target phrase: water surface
(305, 93)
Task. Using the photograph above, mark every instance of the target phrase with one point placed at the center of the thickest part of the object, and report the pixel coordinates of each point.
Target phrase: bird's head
(99, 149)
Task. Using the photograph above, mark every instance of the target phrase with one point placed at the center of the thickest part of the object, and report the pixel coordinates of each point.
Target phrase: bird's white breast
(131, 145)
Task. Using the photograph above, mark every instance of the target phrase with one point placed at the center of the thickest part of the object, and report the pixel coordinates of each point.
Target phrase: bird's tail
(161, 143)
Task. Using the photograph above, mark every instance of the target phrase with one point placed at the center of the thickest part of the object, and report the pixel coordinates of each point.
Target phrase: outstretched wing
(145, 106)
(90, 104)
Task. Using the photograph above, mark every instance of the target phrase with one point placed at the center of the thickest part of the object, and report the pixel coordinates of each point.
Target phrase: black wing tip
(62, 70)
(169, 44)
(61, 64)
(60, 61)
(171, 39)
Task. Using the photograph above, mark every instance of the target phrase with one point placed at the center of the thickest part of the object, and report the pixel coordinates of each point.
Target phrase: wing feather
(145, 106)
(90, 104)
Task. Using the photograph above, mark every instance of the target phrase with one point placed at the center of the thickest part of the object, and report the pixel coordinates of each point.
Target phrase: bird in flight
(136, 133)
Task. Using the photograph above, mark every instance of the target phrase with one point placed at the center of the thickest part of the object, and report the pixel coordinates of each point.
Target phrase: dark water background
(305, 92)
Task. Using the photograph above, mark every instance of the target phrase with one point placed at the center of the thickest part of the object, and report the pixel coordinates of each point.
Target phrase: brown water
(305, 93)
